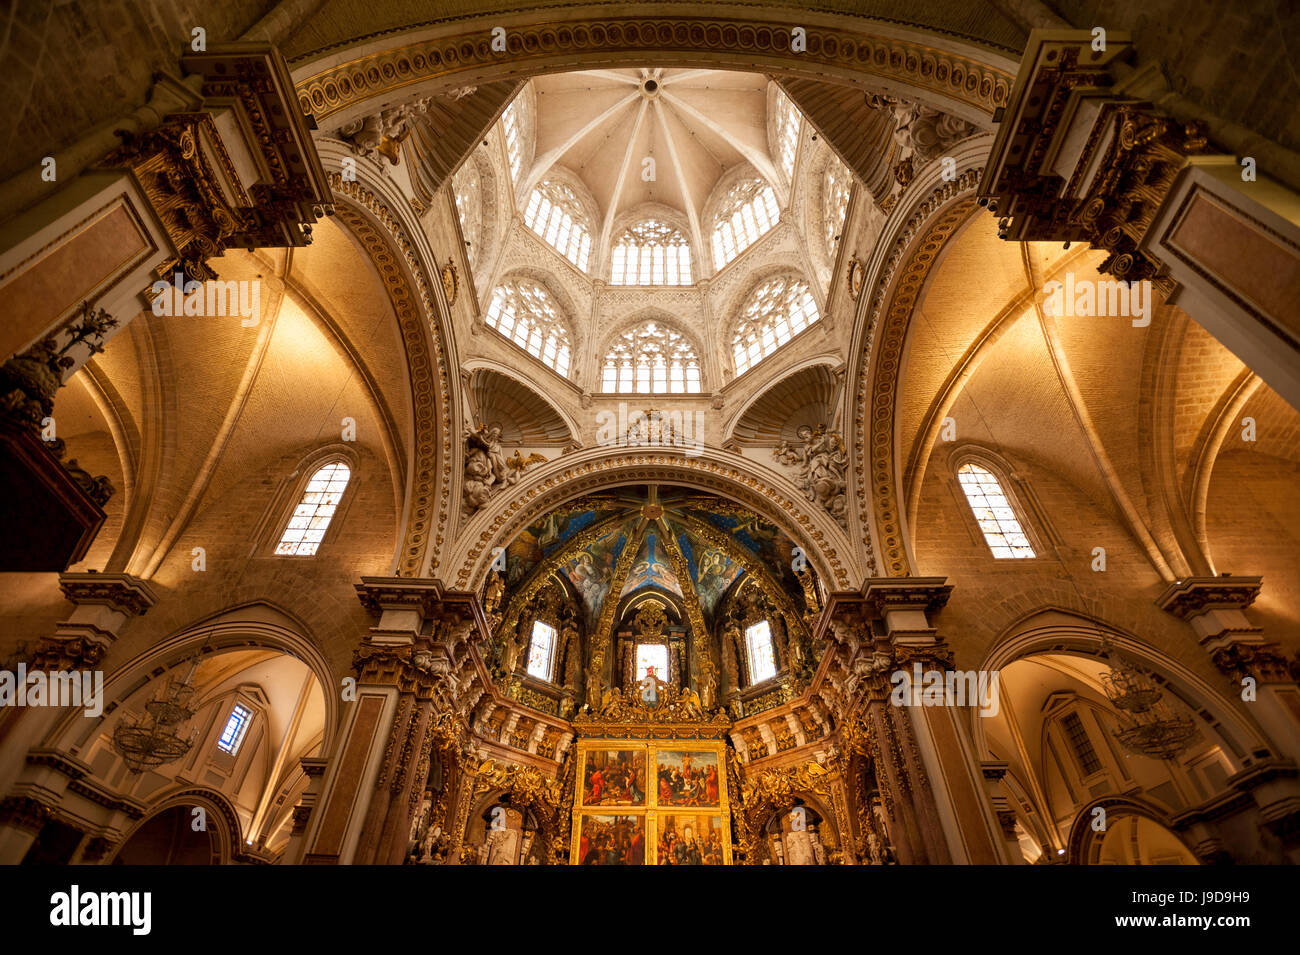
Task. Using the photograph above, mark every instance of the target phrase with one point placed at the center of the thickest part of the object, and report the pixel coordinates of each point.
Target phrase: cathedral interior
(650, 433)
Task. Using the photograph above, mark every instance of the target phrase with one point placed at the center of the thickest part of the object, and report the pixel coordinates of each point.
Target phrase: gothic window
(651, 253)
(993, 512)
(652, 655)
(651, 359)
(745, 213)
(312, 516)
(836, 185)
(467, 188)
(232, 736)
(510, 125)
(787, 134)
(541, 650)
(758, 649)
(1081, 744)
(555, 213)
(774, 313)
(527, 315)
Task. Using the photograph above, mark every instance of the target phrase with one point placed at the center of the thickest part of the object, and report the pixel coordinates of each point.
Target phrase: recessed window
(993, 512)
(555, 214)
(510, 126)
(467, 186)
(236, 726)
(314, 512)
(527, 315)
(788, 119)
(652, 657)
(746, 212)
(758, 647)
(541, 651)
(837, 183)
(651, 359)
(774, 313)
(651, 253)
(1081, 744)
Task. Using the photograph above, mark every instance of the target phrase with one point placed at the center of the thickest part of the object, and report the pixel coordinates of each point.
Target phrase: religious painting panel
(690, 840)
(687, 777)
(610, 840)
(614, 777)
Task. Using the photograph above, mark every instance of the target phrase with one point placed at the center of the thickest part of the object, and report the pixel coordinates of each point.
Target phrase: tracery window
(775, 312)
(311, 518)
(232, 735)
(527, 315)
(651, 359)
(787, 134)
(746, 212)
(993, 512)
(758, 648)
(510, 125)
(555, 213)
(1081, 744)
(541, 650)
(651, 253)
(467, 188)
(837, 183)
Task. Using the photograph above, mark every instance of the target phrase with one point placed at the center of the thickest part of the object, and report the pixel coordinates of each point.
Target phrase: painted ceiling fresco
(582, 543)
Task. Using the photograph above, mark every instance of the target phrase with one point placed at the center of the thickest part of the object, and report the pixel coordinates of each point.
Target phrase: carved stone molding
(23, 812)
(1267, 663)
(120, 592)
(1194, 596)
(847, 50)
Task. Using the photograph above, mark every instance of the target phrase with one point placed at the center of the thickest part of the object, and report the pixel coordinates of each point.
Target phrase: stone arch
(222, 821)
(770, 496)
(1083, 845)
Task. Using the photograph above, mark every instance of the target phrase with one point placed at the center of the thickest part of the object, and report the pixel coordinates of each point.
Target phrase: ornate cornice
(416, 311)
(929, 594)
(1193, 596)
(462, 53)
(121, 592)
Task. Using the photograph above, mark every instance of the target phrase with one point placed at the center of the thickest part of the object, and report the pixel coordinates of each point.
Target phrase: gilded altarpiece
(651, 785)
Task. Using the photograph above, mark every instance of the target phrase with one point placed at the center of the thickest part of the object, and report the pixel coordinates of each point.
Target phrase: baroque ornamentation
(487, 469)
(923, 132)
(822, 463)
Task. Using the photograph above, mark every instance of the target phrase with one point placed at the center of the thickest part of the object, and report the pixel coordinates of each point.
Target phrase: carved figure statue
(926, 131)
(487, 469)
(823, 462)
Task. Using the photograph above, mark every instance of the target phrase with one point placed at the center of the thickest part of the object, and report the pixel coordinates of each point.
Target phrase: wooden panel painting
(614, 778)
(611, 840)
(690, 840)
(687, 778)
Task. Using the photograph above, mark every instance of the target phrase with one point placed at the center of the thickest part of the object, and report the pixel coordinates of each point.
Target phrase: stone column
(993, 772)
(314, 767)
(406, 697)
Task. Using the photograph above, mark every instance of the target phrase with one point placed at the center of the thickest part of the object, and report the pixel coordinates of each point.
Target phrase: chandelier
(1149, 726)
(148, 741)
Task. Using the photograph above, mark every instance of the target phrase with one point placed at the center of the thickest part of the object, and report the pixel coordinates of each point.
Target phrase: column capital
(122, 593)
(1194, 596)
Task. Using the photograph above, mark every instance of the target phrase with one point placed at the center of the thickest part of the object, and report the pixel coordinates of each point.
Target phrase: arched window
(651, 253)
(527, 315)
(744, 215)
(467, 187)
(555, 214)
(787, 133)
(993, 512)
(541, 650)
(651, 359)
(836, 186)
(312, 516)
(758, 648)
(774, 313)
(512, 129)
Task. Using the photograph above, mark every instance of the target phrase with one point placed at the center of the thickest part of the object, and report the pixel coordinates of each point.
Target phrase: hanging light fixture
(1149, 726)
(148, 741)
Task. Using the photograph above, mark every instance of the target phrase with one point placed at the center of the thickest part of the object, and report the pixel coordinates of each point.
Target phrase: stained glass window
(555, 213)
(744, 215)
(758, 646)
(776, 311)
(787, 134)
(993, 512)
(541, 650)
(514, 139)
(651, 359)
(527, 315)
(651, 253)
(236, 726)
(652, 655)
(314, 512)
